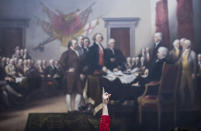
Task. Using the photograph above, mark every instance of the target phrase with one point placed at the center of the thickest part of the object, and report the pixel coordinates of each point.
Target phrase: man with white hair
(113, 57)
(188, 62)
(128, 64)
(175, 53)
(157, 44)
(26, 54)
(10, 69)
(51, 70)
(155, 69)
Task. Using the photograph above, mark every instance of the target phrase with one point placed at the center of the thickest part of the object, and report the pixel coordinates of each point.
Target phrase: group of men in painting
(20, 76)
(83, 59)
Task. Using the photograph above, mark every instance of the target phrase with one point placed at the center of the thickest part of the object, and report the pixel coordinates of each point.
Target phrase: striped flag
(89, 27)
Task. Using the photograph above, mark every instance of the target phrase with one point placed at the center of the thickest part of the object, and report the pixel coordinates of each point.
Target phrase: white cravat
(156, 44)
(112, 50)
(80, 45)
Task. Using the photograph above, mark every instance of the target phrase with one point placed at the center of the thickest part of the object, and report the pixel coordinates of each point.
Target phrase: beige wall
(105, 8)
(143, 9)
(131, 8)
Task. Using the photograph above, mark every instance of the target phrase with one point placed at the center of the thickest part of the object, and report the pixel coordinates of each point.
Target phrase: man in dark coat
(113, 57)
(155, 68)
(157, 45)
(80, 48)
(70, 62)
(96, 55)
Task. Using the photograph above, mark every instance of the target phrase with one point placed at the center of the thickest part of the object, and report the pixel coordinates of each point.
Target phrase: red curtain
(185, 19)
(162, 23)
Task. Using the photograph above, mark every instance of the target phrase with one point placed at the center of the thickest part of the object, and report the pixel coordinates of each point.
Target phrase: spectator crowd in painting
(20, 75)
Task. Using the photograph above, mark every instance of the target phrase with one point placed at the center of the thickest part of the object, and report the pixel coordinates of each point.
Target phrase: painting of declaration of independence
(100, 65)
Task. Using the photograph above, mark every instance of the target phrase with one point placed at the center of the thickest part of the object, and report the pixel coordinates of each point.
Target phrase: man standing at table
(96, 55)
(70, 62)
(114, 58)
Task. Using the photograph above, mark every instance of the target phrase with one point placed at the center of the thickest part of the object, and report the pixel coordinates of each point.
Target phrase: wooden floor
(15, 119)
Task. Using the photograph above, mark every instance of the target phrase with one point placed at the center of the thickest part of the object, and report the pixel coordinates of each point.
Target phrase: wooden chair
(166, 95)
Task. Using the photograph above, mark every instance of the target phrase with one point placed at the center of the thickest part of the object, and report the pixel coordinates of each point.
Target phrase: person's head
(147, 50)
(187, 44)
(11, 61)
(142, 59)
(162, 52)
(7, 60)
(17, 51)
(15, 60)
(157, 37)
(39, 62)
(111, 43)
(128, 59)
(176, 43)
(51, 61)
(20, 62)
(25, 51)
(72, 43)
(3, 60)
(199, 57)
(86, 42)
(98, 37)
(137, 59)
(80, 40)
(17, 48)
(182, 42)
(32, 62)
(21, 52)
(133, 60)
(28, 62)
(55, 62)
(44, 62)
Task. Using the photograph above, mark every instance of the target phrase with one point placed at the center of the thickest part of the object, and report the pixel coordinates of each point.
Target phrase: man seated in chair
(154, 69)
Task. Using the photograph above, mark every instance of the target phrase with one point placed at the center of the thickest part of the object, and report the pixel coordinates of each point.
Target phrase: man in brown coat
(70, 62)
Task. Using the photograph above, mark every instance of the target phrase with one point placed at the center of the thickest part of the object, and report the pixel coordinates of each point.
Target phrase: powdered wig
(159, 35)
(111, 40)
(163, 51)
(176, 42)
(187, 43)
